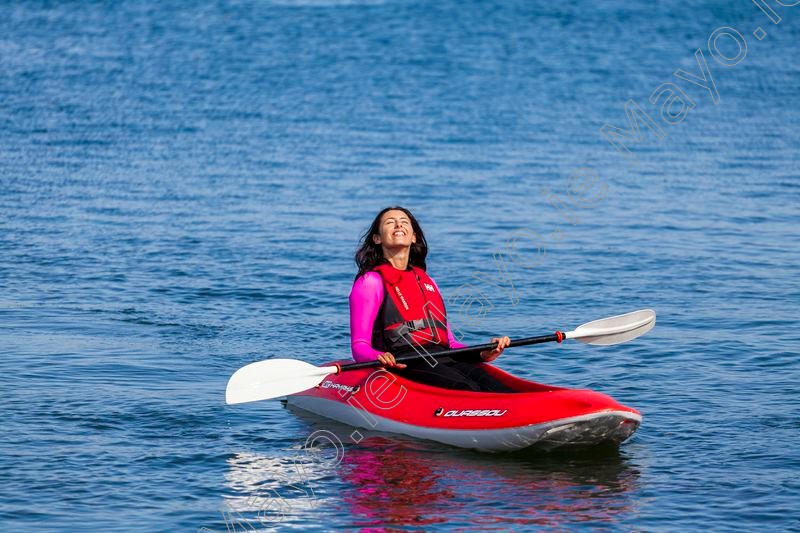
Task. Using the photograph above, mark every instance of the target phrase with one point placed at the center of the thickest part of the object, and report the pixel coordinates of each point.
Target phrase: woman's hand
(388, 360)
(502, 344)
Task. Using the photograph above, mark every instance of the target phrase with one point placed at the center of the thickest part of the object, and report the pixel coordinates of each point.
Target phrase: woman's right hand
(388, 361)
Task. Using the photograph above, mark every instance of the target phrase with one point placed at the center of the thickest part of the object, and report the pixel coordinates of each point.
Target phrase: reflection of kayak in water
(393, 483)
(397, 483)
(537, 415)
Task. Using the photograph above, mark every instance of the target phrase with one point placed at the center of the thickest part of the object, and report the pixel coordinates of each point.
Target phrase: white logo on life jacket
(400, 294)
(429, 287)
(477, 412)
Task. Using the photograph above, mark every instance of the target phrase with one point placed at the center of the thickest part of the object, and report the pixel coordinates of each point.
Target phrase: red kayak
(537, 415)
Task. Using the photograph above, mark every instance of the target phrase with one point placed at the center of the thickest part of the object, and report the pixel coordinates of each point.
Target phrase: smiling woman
(397, 309)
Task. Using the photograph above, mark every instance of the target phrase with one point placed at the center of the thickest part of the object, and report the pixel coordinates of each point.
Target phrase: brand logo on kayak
(429, 287)
(337, 386)
(477, 412)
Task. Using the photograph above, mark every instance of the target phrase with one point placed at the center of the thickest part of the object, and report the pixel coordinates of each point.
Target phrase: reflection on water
(268, 490)
(393, 481)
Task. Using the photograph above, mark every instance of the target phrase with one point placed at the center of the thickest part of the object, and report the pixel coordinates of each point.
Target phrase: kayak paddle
(274, 378)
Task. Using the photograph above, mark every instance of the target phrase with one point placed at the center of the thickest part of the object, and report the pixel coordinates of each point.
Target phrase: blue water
(182, 187)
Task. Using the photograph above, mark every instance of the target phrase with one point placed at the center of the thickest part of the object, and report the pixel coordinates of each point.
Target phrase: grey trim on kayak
(584, 430)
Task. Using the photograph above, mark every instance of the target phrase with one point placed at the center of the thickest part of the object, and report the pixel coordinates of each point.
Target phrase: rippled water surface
(182, 187)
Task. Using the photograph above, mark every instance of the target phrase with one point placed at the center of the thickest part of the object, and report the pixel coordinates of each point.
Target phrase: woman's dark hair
(370, 255)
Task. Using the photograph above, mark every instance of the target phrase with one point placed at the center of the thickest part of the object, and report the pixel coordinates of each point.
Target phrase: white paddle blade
(273, 378)
(615, 329)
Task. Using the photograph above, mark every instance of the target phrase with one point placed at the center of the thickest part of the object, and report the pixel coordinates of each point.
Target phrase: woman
(397, 309)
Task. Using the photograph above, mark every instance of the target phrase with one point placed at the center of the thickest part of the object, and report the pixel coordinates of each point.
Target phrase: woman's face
(395, 231)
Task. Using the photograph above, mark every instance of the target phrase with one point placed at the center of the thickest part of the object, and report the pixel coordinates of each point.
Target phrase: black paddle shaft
(556, 337)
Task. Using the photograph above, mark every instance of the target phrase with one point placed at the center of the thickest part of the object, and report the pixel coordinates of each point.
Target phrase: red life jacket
(412, 312)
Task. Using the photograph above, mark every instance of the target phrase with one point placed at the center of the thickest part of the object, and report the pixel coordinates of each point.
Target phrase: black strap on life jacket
(397, 333)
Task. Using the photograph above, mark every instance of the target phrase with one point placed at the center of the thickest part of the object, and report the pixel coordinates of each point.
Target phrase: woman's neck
(397, 258)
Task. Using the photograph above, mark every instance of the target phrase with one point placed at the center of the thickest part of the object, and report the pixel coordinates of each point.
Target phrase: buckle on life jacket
(396, 332)
(423, 323)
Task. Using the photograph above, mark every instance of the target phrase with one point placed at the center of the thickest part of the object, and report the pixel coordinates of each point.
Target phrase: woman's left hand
(502, 344)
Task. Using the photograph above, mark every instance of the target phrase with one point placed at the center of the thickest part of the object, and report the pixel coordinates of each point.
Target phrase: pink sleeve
(450, 337)
(366, 298)
(452, 340)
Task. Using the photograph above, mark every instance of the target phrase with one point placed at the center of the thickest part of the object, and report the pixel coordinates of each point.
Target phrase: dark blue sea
(183, 186)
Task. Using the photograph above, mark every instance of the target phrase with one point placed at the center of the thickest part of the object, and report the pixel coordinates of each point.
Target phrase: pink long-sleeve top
(366, 298)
